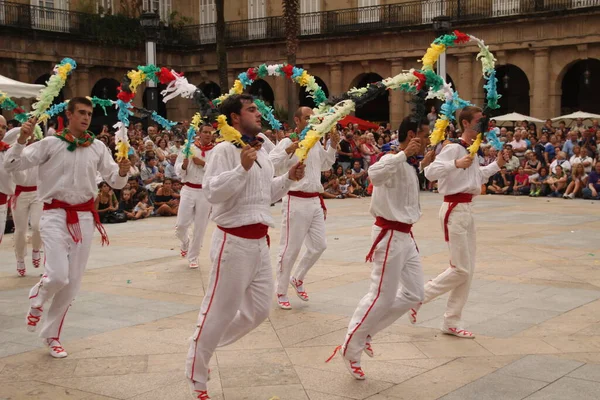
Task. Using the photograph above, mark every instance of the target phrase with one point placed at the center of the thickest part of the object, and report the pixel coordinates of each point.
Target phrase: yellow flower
(237, 87)
(122, 150)
(196, 119)
(473, 148)
(439, 131)
(311, 138)
(228, 133)
(303, 79)
(136, 78)
(432, 55)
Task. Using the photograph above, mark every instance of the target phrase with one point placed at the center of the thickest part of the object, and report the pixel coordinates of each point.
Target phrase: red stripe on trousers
(387, 250)
(62, 321)
(210, 302)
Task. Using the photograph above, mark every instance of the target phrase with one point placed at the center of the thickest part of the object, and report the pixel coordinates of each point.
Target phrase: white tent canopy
(575, 115)
(516, 117)
(18, 89)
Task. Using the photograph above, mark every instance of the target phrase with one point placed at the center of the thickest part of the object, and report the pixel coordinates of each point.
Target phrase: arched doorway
(513, 86)
(377, 110)
(262, 90)
(437, 103)
(105, 88)
(210, 89)
(580, 87)
(303, 96)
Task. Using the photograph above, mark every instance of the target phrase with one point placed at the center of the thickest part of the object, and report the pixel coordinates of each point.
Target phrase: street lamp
(150, 22)
(505, 80)
(586, 76)
(442, 26)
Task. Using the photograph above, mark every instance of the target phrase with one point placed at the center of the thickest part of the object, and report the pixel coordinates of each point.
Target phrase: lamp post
(150, 22)
(442, 26)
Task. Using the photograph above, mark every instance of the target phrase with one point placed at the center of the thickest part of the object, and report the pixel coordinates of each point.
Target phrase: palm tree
(221, 50)
(291, 21)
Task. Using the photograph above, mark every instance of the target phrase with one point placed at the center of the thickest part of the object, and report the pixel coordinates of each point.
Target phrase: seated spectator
(561, 160)
(532, 164)
(581, 157)
(570, 144)
(359, 174)
(106, 204)
(177, 146)
(513, 162)
(355, 187)
(177, 185)
(162, 149)
(165, 200)
(325, 175)
(346, 189)
(557, 183)
(501, 183)
(127, 204)
(151, 176)
(332, 191)
(519, 146)
(170, 167)
(547, 129)
(134, 171)
(537, 183)
(339, 171)
(577, 184)
(143, 209)
(562, 128)
(593, 184)
(521, 183)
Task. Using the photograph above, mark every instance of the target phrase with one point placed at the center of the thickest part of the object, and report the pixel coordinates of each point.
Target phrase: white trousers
(237, 299)
(457, 278)
(3, 213)
(396, 287)
(26, 209)
(303, 222)
(193, 207)
(65, 264)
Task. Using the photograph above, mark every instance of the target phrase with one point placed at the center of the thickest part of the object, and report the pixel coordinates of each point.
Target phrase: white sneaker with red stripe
(461, 333)
(36, 257)
(368, 349)
(198, 394)
(56, 350)
(283, 302)
(412, 316)
(21, 268)
(194, 264)
(184, 249)
(33, 317)
(298, 286)
(352, 366)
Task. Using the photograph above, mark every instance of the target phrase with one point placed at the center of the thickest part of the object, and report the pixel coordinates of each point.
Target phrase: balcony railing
(124, 31)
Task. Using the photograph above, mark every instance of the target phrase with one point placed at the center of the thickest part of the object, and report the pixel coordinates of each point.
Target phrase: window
(208, 18)
(368, 13)
(257, 24)
(106, 6)
(310, 24)
(50, 15)
(431, 9)
(163, 7)
(506, 7)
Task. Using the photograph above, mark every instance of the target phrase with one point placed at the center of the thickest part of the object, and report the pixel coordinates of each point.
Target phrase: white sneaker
(56, 350)
(194, 264)
(572, 196)
(368, 349)
(298, 286)
(283, 302)
(33, 317)
(198, 394)
(21, 268)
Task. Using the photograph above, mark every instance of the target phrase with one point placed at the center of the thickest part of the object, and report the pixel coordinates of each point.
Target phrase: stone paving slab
(534, 306)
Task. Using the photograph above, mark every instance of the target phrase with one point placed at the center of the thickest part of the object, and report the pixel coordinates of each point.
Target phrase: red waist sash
(385, 226)
(73, 219)
(453, 200)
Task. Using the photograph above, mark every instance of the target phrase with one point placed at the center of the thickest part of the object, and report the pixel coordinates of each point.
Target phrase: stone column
(336, 79)
(540, 104)
(464, 85)
(23, 76)
(83, 87)
(397, 98)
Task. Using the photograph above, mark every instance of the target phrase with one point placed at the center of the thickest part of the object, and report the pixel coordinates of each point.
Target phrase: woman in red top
(521, 182)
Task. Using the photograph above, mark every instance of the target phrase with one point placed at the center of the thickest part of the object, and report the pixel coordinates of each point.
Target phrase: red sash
(306, 195)
(453, 200)
(73, 220)
(3, 199)
(192, 185)
(21, 189)
(385, 226)
(254, 231)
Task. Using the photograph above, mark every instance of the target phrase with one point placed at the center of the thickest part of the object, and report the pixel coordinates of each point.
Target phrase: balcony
(124, 31)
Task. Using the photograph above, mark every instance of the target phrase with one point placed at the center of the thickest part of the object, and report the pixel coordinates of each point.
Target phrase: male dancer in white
(7, 184)
(459, 179)
(240, 186)
(304, 211)
(193, 206)
(70, 161)
(397, 275)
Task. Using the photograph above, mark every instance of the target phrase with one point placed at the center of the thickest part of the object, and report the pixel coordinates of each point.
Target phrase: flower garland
(52, 89)
(192, 131)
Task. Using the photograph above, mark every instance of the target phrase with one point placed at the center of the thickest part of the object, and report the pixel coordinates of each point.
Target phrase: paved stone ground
(534, 306)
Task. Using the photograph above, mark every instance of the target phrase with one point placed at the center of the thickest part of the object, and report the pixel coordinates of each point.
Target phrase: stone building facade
(548, 61)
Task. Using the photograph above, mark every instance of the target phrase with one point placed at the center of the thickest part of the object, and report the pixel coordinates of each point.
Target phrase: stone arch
(303, 97)
(210, 89)
(580, 84)
(105, 88)
(513, 86)
(263, 91)
(377, 110)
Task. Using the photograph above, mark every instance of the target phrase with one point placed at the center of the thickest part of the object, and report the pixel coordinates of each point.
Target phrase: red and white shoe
(412, 314)
(33, 317)
(283, 302)
(201, 395)
(352, 366)
(184, 250)
(36, 257)
(368, 349)
(298, 286)
(194, 264)
(21, 268)
(461, 333)
(56, 350)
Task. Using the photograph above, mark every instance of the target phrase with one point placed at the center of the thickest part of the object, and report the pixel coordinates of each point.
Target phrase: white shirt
(395, 189)
(170, 171)
(318, 160)
(267, 144)
(519, 147)
(50, 132)
(452, 180)
(566, 166)
(7, 183)
(64, 175)
(241, 197)
(580, 160)
(193, 173)
(29, 177)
